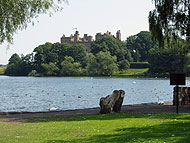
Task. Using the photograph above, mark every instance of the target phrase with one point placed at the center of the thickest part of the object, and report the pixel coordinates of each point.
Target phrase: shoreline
(145, 108)
(55, 111)
(115, 76)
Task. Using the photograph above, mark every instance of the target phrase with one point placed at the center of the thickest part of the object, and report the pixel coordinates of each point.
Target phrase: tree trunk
(112, 102)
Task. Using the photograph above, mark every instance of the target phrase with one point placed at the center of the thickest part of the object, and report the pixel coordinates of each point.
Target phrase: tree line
(170, 57)
(107, 56)
(167, 22)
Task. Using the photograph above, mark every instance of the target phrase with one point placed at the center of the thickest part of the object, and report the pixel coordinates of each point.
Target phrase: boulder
(112, 102)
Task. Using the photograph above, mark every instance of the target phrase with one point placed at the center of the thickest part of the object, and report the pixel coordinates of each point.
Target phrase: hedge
(139, 65)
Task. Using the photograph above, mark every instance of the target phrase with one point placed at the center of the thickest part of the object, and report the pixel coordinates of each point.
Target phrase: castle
(87, 40)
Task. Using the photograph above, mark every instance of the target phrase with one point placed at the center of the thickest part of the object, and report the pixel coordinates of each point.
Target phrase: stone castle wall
(87, 40)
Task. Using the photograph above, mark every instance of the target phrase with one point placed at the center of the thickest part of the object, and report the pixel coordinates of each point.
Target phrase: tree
(16, 14)
(15, 58)
(106, 63)
(19, 66)
(13, 65)
(166, 60)
(70, 68)
(112, 45)
(44, 54)
(26, 64)
(92, 65)
(170, 17)
(56, 53)
(124, 65)
(101, 64)
(78, 53)
(139, 45)
(50, 69)
(61, 49)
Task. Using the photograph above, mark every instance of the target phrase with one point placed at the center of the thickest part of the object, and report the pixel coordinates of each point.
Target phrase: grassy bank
(2, 70)
(132, 72)
(115, 128)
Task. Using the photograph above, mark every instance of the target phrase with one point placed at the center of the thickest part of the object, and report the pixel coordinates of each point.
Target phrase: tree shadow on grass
(172, 131)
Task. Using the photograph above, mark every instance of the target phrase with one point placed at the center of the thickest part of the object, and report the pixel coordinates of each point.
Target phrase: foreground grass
(133, 72)
(111, 128)
(2, 70)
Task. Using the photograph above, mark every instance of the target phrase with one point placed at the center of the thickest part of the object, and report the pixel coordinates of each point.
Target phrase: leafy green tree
(123, 65)
(70, 68)
(164, 61)
(33, 73)
(50, 69)
(170, 17)
(112, 45)
(15, 58)
(16, 14)
(140, 44)
(55, 53)
(92, 65)
(26, 64)
(130, 42)
(44, 54)
(19, 66)
(61, 49)
(78, 53)
(106, 63)
(13, 65)
(12, 69)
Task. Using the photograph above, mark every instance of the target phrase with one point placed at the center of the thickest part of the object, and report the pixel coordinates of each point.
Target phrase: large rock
(112, 102)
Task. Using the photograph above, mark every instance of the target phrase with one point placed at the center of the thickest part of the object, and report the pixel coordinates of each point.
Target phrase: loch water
(36, 94)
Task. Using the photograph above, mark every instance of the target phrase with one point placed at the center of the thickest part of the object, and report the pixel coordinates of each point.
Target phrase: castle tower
(108, 33)
(63, 39)
(85, 37)
(118, 35)
(76, 36)
(90, 39)
(98, 36)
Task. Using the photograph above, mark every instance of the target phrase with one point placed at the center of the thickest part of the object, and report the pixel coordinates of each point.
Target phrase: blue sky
(89, 16)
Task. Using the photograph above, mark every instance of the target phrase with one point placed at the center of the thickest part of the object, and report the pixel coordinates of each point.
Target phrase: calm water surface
(62, 93)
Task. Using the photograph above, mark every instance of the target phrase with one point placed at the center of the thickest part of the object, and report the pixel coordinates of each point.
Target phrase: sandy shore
(147, 108)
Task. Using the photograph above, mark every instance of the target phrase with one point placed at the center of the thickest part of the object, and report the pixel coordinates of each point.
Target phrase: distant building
(87, 40)
(118, 35)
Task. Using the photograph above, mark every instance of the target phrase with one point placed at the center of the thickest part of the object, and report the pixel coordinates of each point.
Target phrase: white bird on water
(52, 108)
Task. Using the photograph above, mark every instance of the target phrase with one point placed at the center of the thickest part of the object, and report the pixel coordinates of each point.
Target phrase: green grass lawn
(133, 72)
(109, 128)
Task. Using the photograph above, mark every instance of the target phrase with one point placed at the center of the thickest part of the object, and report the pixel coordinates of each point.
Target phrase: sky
(88, 16)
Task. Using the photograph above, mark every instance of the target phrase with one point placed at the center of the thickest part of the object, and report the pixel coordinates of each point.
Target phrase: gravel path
(137, 108)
